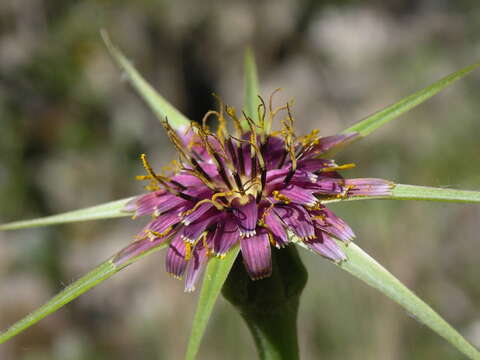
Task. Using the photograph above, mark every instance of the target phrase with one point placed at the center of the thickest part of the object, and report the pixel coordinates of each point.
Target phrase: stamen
(280, 197)
(339, 167)
(188, 251)
(153, 175)
(221, 171)
(230, 110)
(222, 124)
(197, 167)
(238, 182)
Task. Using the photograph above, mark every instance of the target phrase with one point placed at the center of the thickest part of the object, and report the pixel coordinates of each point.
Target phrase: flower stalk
(270, 307)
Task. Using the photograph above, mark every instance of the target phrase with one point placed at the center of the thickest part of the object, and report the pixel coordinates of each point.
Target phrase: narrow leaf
(373, 122)
(215, 276)
(416, 192)
(160, 107)
(251, 87)
(82, 285)
(364, 267)
(108, 210)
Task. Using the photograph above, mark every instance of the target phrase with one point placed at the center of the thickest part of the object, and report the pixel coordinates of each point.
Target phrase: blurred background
(71, 132)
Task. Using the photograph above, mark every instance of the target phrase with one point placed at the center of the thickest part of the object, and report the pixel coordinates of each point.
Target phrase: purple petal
(202, 209)
(369, 187)
(277, 229)
(135, 249)
(297, 219)
(313, 165)
(195, 267)
(193, 231)
(188, 180)
(163, 222)
(226, 235)
(274, 151)
(328, 143)
(168, 202)
(330, 223)
(257, 256)
(246, 216)
(326, 246)
(299, 195)
(175, 262)
(329, 186)
(145, 204)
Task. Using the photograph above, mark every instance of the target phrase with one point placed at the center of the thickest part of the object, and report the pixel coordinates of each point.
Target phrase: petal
(193, 231)
(329, 186)
(326, 246)
(273, 151)
(168, 202)
(226, 235)
(246, 216)
(187, 179)
(330, 223)
(145, 204)
(163, 222)
(313, 165)
(195, 266)
(297, 219)
(369, 187)
(175, 262)
(195, 215)
(299, 195)
(256, 255)
(277, 229)
(328, 143)
(136, 248)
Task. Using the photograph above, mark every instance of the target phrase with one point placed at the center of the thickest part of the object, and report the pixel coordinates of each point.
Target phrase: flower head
(255, 188)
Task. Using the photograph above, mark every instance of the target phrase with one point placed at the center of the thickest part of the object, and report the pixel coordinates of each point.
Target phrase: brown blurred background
(71, 131)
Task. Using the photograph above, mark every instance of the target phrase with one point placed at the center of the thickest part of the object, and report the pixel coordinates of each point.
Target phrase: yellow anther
(271, 239)
(344, 193)
(152, 235)
(188, 251)
(310, 139)
(218, 204)
(280, 197)
(339, 167)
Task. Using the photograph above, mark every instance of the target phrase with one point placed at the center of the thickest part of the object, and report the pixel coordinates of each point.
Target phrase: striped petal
(175, 263)
(195, 266)
(246, 216)
(257, 255)
(226, 235)
(297, 219)
(324, 245)
(277, 229)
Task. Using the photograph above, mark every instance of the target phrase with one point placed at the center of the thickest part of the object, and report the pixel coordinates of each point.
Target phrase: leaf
(215, 276)
(108, 210)
(417, 192)
(373, 122)
(160, 107)
(82, 285)
(252, 91)
(365, 268)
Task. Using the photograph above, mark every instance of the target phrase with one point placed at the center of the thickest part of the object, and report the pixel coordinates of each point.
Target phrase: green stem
(270, 306)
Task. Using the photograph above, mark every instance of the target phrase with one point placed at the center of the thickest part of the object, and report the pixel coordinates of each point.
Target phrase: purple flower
(255, 188)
